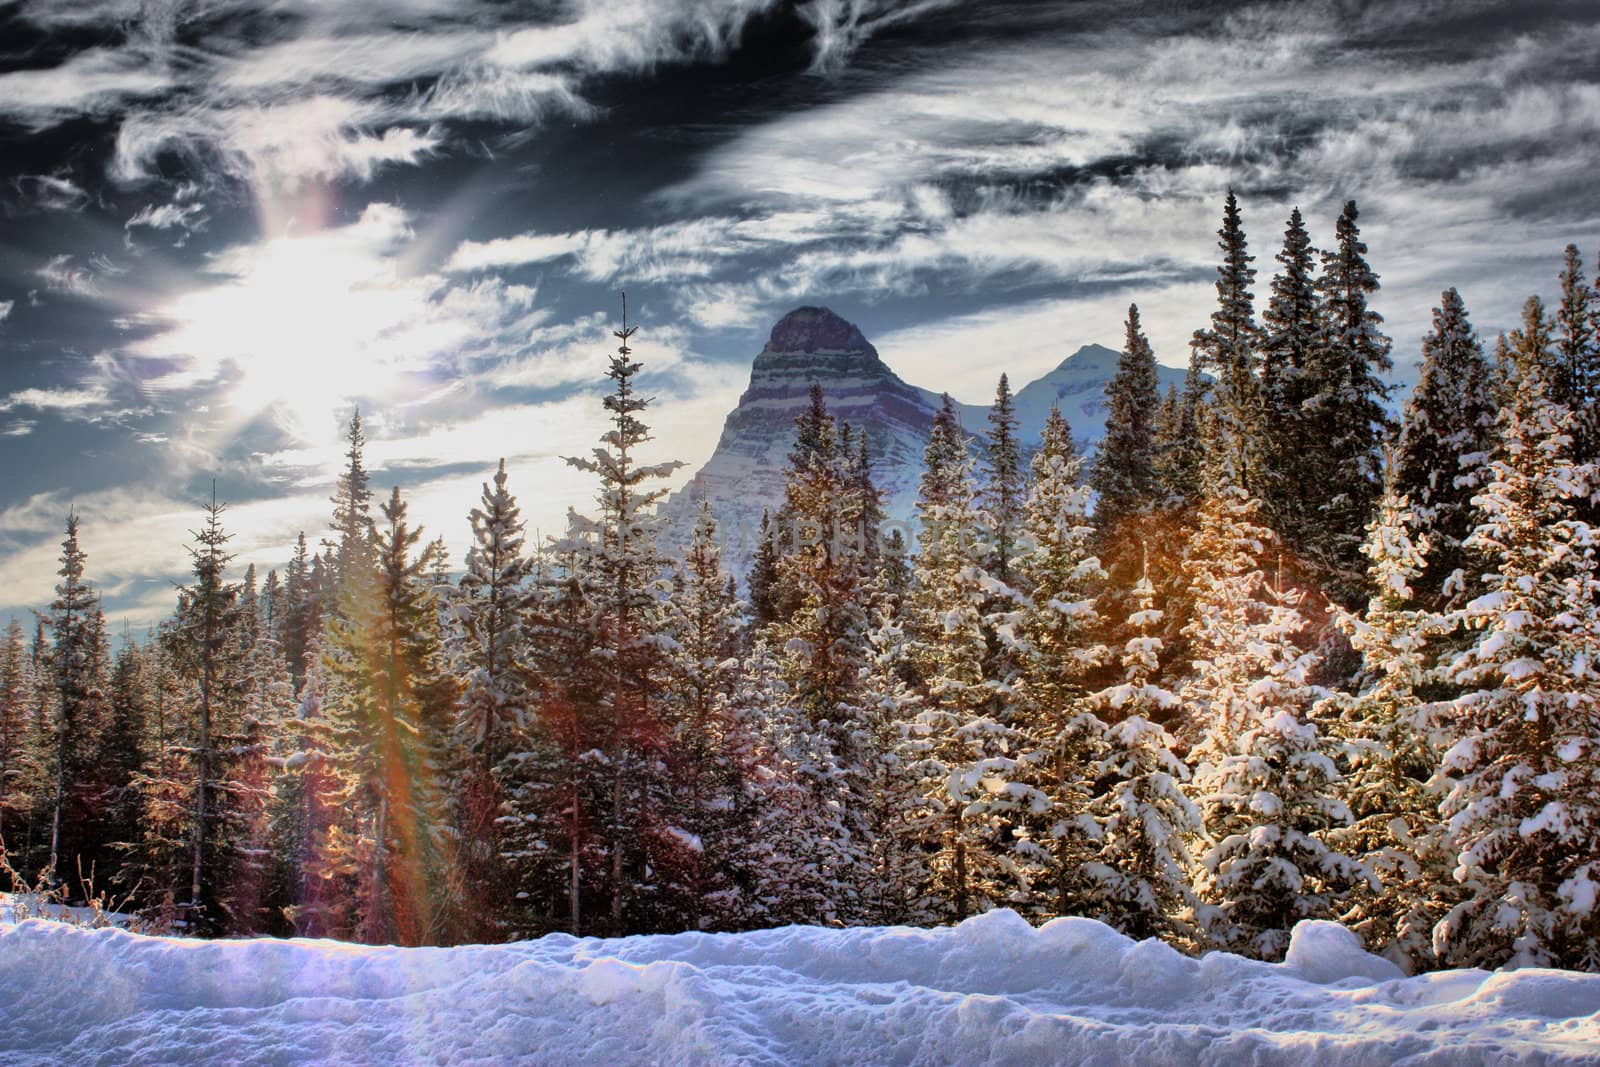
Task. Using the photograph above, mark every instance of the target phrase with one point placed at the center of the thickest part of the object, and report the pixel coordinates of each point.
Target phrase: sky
(225, 224)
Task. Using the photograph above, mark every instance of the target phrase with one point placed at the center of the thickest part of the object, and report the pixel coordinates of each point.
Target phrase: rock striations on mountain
(813, 345)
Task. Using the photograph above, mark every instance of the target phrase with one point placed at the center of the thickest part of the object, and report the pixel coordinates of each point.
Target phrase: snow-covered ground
(992, 990)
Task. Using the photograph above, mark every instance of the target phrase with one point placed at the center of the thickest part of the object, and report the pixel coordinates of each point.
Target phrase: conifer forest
(1282, 646)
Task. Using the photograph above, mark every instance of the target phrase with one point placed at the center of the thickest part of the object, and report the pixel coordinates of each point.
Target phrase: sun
(301, 326)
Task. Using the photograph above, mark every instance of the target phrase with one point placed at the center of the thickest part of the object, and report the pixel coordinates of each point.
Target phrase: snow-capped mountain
(811, 344)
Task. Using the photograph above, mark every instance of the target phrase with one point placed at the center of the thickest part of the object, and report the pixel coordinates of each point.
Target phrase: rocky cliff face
(810, 344)
(745, 473)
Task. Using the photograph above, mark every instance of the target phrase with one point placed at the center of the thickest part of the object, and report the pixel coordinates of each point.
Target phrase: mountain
(745, 473)
(812, 344)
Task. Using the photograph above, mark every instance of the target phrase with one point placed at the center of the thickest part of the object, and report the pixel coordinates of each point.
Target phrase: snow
(992, 990)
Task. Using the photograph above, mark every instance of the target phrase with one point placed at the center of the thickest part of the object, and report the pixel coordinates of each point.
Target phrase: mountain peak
(816, 329)
(1089, 356)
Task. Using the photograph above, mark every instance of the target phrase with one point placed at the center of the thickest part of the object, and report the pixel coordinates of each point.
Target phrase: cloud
(64, 401)
(48, 192)
(5, 309)
(18, 428)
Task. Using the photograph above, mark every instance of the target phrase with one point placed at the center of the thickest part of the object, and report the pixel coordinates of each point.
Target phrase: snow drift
(992, 990)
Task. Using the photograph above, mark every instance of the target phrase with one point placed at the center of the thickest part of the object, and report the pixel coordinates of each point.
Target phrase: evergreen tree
(497, 690)
(1125, 466)
(1389, 734)
(1445, 439)
(1142, 820)
(763, 578)
(701, 853)
(352, 510)
(383, 704)
(74, 660)
(1291, 327)
(1262, 780)
(966, 751)
(1230, 350)
(15, 711)
(627, 567)
(1522, 812)
(1346, 418)
(1005, 487)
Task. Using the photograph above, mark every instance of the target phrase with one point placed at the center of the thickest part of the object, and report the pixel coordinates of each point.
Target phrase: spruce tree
(966, 751)
(701, 855)
(15, 711)
(1138, 876)
(74, 659)
(1263, 782)
(1230, 350)
(627, 567)
(1445, 438)
(1005, 487)
(383, 704)
(1290, 330)
(1522, 812)
(1347, 421)
(1125, 467)
(1389, 734)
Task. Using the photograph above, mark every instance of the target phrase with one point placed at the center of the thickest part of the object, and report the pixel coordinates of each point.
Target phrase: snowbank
(992, 990)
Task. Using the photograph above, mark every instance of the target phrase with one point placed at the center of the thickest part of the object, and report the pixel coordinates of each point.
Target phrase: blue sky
(224, 223)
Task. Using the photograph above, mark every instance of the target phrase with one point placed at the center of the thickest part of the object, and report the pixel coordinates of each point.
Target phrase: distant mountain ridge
(744, 475)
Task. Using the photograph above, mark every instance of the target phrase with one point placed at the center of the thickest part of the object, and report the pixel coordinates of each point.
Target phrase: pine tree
(1522, 812)
(299, 618)
(763, 579)
(1142, 820)
(15, 711)
(1346, 418)
(701, 854)
(1230, 350)
(74, 659)
(1291, 325)
(383, 705)
(352, 509)
(1445, 439)
(1574, 381)
(1262, 780)
(1389, 734)
(1005, 487)
(210, 612)
(966, 752)
(1125, 466)
(627, 567)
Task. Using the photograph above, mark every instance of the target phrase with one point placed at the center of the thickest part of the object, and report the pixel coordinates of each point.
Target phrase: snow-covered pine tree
(351, 550)
(299, 617)
(763, 578)
(1056, 632)
(627, 568)
(1523, 809)
(1125, 466)
(1347, 421)
(700, 855)
(1389, 734)
(1574, 380)
(1005, 487)
(1230, 350)
(1138, 877)
(497, 692)
(966, 749)
(1262, 780)
(16, 699)
(1290, 329)
(381, 704)
(820, 635)
(75, 661)
(1446, 435)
